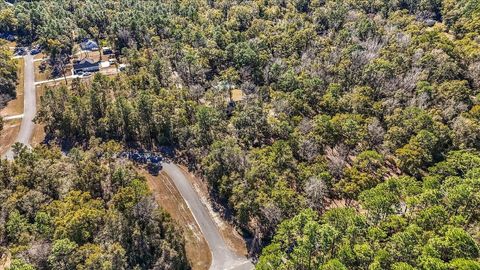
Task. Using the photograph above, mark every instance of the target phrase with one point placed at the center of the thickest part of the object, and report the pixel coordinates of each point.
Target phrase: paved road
(12, 117)
(29, 105)
(223, 258)
(57, 79)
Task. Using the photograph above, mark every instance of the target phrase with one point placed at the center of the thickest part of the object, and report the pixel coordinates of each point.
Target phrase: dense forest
(86, 210)
(404, 224)
(365, 113)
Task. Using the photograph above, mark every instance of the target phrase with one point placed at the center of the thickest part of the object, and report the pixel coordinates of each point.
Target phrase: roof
(85, 63)
(89, 44)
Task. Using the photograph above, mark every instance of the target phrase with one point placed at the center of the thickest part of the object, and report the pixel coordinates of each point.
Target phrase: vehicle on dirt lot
(154, 168)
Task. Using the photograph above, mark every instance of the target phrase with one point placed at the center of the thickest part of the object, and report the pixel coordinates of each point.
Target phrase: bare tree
(308, 149)
(317, 192)
(337, 159)
(375, 132)
(474, 73)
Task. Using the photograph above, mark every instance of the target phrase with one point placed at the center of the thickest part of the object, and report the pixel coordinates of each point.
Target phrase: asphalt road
(29, 103)
(223, 258)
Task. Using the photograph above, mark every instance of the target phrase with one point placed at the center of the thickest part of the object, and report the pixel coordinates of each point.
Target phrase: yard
(9, 134)
(95, 56)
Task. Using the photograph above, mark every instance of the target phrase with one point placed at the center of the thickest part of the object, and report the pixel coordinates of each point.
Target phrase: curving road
(29, 105)
(223, 258)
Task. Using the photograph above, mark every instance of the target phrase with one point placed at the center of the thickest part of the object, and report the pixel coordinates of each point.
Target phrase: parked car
(35, 51)
(10, 38)
(86, 74)
(107, 50)
(135, 157)
(20, 51)
(154, 168)
(155, 159)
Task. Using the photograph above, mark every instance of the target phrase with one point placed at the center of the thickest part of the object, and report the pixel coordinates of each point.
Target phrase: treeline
(8, 75)
(340, 97)
(86, 210)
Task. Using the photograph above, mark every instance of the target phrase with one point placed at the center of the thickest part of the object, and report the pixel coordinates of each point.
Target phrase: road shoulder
(168, 197)
(228, 232)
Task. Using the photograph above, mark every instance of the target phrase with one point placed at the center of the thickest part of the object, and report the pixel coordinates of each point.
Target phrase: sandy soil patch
(5, 261)
(8, 135)
(112, 70)
(10, 44)
(237, 95)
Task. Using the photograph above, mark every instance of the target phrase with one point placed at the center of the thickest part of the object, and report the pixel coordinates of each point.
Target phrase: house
(89, 45)
(85, 65)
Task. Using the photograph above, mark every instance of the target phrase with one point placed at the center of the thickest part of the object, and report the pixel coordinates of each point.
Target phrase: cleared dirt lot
(8, 135)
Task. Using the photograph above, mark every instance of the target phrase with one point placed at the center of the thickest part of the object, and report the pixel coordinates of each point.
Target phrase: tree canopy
(83, 211)
(368, 105)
